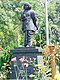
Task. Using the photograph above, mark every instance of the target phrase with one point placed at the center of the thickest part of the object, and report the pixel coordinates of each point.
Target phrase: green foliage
(9, 22)
(5, 64)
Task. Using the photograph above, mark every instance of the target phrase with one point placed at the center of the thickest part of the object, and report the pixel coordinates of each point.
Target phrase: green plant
(5, 64)
(37, 71)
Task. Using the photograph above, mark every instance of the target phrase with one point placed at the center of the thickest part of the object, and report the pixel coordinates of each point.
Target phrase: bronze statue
(28, 18)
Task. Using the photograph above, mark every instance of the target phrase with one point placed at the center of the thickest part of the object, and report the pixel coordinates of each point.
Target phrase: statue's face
(27, 6)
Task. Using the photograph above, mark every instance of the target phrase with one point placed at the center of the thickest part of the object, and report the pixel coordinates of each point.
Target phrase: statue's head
(27, 6)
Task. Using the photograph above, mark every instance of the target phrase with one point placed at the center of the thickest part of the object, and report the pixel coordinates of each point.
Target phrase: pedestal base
(32, 57)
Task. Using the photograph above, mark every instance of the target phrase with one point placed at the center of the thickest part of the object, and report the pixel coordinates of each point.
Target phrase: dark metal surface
(27, 50)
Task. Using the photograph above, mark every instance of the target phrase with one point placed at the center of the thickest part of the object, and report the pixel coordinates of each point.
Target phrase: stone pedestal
(31, 55)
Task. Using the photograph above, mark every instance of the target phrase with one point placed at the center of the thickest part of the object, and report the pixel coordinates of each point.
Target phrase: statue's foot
(27, 46)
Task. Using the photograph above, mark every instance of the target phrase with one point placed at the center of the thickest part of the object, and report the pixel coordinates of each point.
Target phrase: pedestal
(32, 56)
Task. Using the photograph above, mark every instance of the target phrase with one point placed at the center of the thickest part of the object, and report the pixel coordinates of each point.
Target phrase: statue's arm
(34, 18)
(22, 20)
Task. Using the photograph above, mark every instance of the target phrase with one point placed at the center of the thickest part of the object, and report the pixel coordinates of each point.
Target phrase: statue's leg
(25, 40)
(29, 38)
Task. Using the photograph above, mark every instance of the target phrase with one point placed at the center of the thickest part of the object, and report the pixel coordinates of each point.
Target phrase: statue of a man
(29, 26)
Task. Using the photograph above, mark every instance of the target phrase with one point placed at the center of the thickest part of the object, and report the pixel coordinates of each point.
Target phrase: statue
(29, 26)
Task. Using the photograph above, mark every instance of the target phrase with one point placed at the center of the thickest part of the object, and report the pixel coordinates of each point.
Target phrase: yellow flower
(37, 65)
(31, 76)
(57, 55)
(43, 69)
(57, 77)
